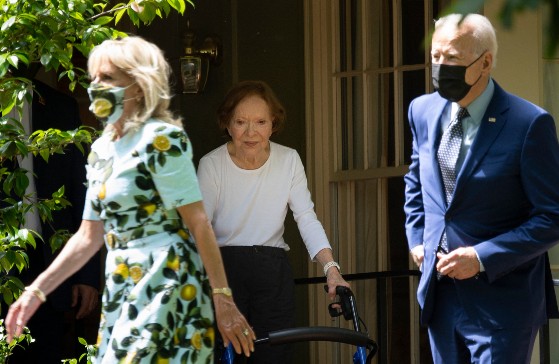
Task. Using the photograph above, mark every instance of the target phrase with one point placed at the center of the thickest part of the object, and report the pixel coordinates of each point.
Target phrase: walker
(347, 308)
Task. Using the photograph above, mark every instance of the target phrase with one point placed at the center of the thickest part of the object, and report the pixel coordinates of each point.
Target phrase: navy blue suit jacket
(506, 205)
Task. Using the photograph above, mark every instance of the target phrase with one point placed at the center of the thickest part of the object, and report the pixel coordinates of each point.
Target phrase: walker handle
(321, 333)
(316, 333)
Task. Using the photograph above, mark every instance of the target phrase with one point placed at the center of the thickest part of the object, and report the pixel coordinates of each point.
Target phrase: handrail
(361, 276)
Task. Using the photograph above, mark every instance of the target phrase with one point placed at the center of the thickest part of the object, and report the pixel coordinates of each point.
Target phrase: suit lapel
(493, 121)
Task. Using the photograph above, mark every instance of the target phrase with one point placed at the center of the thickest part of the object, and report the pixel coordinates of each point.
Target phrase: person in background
(143, 201)
(51, 108)
(248, 184)
(482, 203)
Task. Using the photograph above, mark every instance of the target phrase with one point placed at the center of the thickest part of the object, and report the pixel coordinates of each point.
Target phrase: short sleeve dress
(156, 300)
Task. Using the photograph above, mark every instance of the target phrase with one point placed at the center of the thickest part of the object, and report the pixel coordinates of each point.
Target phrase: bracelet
(330, 265)
(224, 291)
(37, 292)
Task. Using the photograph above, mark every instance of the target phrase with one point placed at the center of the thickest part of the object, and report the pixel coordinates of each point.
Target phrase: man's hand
(461, 263)
(417, 254)
(89, 298)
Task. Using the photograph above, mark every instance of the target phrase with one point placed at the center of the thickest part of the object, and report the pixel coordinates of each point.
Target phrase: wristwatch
(225, 291)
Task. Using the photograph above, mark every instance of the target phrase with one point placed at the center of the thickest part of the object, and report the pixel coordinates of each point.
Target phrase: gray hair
(479, 27)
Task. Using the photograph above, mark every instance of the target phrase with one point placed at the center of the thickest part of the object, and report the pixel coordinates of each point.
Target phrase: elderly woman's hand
(233, 326)
(334, 279)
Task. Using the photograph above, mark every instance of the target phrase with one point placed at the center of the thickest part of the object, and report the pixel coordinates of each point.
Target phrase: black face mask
(450, 80)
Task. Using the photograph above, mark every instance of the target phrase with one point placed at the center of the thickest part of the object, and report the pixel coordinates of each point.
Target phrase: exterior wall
(519, 57)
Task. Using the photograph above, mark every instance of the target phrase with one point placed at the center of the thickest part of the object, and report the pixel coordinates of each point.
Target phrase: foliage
(510, 8)
(6, 347)
(16, 202)
(89, 354)
(51, 34)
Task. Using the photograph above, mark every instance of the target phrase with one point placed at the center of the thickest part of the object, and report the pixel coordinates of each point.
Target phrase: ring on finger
(245, 332)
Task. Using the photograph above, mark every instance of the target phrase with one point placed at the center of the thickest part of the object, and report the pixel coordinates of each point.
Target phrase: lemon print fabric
(102, 107)
(156, 300)
(188, 292)
(161, 143)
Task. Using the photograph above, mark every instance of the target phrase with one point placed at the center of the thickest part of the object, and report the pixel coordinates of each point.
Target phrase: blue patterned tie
(447, 155)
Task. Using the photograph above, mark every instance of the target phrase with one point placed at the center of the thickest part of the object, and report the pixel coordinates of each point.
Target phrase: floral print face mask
(107, 102)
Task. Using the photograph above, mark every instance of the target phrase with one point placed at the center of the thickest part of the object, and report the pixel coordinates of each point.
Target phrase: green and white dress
(156, 301)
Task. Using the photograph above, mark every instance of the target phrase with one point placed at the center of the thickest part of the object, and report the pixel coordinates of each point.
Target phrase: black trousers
(263, 289)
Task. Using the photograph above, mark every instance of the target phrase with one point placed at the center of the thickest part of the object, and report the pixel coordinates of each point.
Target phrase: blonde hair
(145, 63)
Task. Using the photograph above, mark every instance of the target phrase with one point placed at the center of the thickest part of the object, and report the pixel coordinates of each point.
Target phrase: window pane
(413, 32)
(352, 127)
(413, 86)
(381, 34)
(381, 123)
(351, 49)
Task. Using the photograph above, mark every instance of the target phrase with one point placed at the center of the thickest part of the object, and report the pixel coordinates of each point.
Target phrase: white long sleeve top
(248, 207)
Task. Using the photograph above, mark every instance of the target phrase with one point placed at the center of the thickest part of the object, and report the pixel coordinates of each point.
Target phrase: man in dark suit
(53, 109)
(482, 204)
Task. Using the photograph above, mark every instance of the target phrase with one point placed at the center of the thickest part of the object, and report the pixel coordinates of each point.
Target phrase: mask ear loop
(137, 98)
(481, 73)
(477, 59)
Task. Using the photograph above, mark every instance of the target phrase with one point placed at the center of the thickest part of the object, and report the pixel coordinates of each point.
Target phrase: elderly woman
(143, 201)
(248, 185)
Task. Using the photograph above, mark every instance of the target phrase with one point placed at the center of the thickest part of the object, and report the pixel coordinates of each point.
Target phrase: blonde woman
(163, 266)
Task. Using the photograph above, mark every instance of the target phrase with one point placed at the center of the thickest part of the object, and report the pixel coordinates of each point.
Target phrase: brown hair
(241, 91)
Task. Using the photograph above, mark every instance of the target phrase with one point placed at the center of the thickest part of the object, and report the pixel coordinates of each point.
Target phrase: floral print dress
(156, 299)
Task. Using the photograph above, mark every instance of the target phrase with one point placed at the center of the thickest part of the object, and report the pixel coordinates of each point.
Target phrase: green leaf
(133, 16)
(13, 60)
(149, 12)
(22, 148)
(6, 110)
(23, 57)
(77, 15)
(8, 23)
(103, 20)
(46, 58)
(44, 154)
(178, 5)
(119, 14)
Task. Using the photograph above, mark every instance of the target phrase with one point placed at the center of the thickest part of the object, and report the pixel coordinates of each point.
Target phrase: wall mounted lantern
(195, 64)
